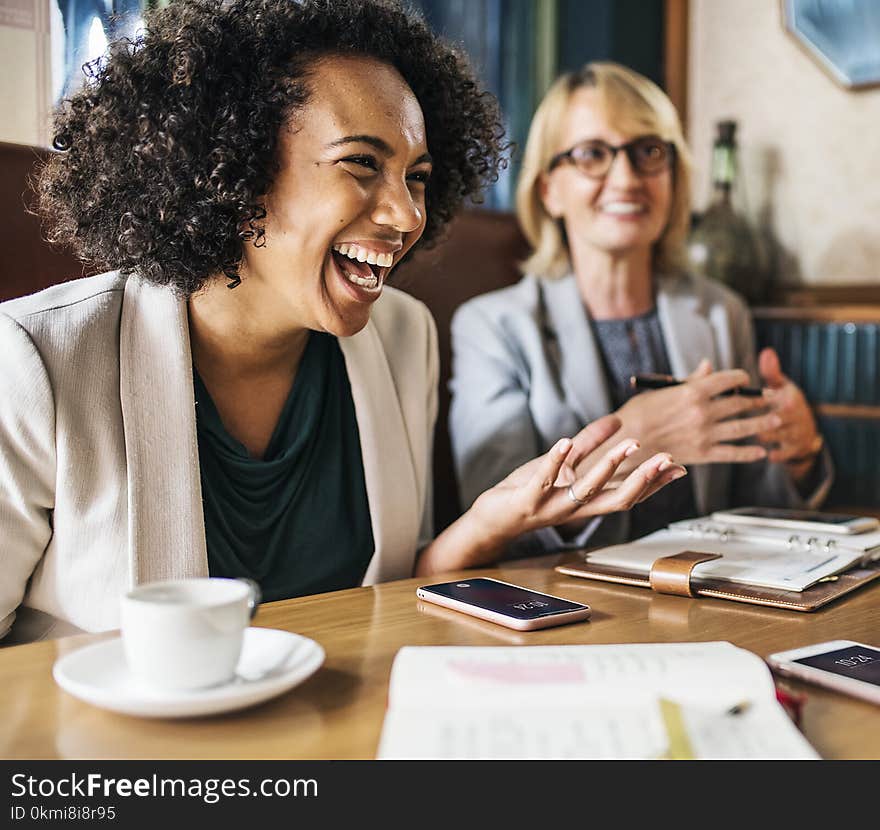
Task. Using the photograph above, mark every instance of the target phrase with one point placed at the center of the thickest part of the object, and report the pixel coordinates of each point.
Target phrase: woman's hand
(796, 441)
(547, 491)
(695, 425)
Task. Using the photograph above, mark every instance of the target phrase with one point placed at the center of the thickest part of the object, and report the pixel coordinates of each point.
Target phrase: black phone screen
(857, 662)
(511, 600)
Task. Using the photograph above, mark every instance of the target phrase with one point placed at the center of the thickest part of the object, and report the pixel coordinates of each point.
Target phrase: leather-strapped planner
(705, 559)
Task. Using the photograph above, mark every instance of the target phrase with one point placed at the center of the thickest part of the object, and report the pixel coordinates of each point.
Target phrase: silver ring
(574, 498)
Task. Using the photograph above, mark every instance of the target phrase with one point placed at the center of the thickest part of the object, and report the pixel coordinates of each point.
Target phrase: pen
(652, 381)
(739, 708)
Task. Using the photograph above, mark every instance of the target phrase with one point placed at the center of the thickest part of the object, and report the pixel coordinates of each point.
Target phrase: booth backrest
(28, 263)
(478, 253)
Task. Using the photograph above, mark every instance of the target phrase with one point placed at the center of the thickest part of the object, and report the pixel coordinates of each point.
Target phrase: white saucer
(98, 675)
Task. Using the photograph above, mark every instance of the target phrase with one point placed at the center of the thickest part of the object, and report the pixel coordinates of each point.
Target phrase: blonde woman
(604, 200)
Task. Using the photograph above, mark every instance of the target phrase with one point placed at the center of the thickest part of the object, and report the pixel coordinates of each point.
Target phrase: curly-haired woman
(242, 395)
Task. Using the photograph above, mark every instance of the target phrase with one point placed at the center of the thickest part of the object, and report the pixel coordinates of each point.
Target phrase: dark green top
(297, 520)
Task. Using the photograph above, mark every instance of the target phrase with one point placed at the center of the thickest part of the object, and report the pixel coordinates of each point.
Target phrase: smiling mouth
(623, 208)
(361, 266)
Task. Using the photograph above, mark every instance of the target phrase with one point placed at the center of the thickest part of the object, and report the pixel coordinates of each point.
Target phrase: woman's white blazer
(99, 471)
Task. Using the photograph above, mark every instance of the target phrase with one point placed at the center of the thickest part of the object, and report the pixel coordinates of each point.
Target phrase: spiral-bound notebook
(766, 566)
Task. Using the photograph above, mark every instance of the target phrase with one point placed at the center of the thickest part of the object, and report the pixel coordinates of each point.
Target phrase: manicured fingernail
(563, 445)
(631, 449)
(665, 464)
(680, 473)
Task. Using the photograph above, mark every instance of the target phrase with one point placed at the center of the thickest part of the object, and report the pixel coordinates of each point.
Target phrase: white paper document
(584, 702)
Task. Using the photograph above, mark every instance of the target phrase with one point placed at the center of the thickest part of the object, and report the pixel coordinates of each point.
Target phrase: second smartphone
(843, 665)
(810, 520)
(504, 603)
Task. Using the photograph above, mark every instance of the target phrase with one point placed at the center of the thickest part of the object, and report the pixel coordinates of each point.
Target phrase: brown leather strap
(672, 574)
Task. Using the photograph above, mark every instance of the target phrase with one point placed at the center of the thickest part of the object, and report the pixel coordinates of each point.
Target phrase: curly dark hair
(172, 142)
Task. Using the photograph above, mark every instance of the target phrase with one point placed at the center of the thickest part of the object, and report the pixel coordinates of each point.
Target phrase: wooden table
(338, 712)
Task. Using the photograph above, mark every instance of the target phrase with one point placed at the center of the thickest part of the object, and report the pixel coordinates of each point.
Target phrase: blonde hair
(632, 102)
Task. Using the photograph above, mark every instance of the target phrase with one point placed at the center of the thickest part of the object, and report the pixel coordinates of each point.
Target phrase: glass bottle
(722, 245)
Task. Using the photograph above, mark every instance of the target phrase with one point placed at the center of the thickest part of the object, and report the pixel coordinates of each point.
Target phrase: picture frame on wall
(841, 36)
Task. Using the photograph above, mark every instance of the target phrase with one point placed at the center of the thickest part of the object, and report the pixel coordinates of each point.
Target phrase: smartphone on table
(843, 665)
(504, 603)
(814, 520)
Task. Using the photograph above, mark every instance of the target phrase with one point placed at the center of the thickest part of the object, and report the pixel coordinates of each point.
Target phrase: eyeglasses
(648, 155)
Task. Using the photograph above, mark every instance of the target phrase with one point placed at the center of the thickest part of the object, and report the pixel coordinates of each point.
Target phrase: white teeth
(365, 282)
(353, 251)
(623, 207)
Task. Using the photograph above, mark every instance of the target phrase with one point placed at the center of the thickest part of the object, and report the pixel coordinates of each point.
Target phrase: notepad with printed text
(586, 702)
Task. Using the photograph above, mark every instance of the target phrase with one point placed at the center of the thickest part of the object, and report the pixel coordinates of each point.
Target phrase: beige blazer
(99, 473)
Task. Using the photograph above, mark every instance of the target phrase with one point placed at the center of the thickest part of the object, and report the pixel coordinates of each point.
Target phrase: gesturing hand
(547, 491)
(796, 440)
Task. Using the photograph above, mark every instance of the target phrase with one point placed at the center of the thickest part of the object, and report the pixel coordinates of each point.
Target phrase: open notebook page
(868, 544)
(599, 701)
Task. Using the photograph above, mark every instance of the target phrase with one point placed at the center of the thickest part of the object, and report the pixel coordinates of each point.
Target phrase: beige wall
(810, 149)
(25, 70)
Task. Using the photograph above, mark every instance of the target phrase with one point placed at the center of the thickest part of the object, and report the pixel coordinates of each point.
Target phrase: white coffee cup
(186, 633)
